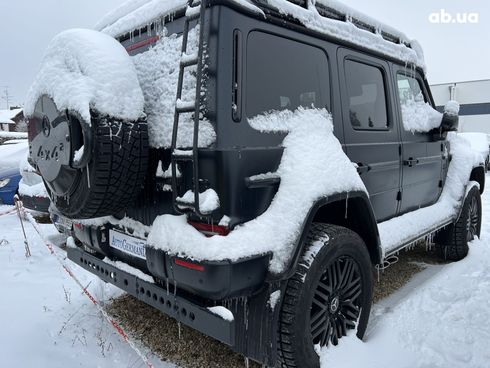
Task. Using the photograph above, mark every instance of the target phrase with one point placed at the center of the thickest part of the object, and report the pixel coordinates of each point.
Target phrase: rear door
(370, 132)
(422, 157)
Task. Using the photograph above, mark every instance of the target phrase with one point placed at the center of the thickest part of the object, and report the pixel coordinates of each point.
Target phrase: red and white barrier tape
(8, 212)
(113, 323)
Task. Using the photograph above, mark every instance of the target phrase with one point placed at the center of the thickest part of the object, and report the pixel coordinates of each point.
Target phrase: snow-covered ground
(45, 320)
(439, 319)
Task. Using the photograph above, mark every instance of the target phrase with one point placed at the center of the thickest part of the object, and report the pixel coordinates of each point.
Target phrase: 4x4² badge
(49, 147)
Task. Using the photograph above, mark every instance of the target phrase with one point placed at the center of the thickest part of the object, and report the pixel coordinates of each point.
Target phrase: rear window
(284, 74)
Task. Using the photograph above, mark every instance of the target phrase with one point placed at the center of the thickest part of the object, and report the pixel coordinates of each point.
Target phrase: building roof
(461, 82)
(7, 116)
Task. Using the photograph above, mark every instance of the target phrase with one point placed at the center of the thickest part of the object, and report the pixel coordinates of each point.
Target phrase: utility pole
(7, 96)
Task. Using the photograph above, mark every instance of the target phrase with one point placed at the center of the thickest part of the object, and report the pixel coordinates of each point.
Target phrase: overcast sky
(454, 52)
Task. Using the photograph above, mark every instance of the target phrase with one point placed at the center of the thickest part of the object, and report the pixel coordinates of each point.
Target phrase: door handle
(411, 162)
(361, 168)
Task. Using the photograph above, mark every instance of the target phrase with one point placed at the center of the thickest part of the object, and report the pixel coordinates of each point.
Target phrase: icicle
(168, 293)
(247, 363)
(180, 330)
(88, 176)
(346, 204)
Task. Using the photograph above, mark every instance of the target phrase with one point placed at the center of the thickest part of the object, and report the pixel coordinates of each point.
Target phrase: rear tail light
(210, 229)
(189, 265)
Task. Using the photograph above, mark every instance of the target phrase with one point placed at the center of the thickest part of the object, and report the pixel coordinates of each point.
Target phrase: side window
(409, 89)
(366, 96)
(284, 74)
(418, 115)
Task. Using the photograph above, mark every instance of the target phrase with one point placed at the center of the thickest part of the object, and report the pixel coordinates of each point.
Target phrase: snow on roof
(336, 20)
(354, 27)
(6, 116)
(137, 13)
(134, 14)
(84, 69)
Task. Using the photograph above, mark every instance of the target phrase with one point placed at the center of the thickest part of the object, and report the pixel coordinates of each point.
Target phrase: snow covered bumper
(193, 315)
(214, 280)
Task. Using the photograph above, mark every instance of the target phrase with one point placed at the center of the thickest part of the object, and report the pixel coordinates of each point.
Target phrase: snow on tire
(333, 282)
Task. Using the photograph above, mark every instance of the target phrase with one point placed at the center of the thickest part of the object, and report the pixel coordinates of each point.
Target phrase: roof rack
(337, 11)
(396, 44)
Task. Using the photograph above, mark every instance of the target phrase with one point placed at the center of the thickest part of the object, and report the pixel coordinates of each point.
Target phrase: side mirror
(450, 118)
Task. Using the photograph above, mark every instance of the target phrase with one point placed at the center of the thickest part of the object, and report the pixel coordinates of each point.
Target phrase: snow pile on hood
(419, 116)
(36, 190)
(313, 166)
(11, 155)
(478, 142)
(31, 184)
(84, 69)
(347, 31)
(403, 228)
(158, 73)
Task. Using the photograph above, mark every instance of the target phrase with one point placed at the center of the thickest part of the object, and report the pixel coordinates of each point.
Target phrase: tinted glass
(366, 94)
(284, 74)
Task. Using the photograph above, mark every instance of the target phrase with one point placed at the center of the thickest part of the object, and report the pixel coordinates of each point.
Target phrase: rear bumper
(184, 311)
(215, 280)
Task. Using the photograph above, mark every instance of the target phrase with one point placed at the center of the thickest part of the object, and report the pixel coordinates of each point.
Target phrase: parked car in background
(11, 153)
(480, 143)
(31, 190)
(9, 184)
(17, 176)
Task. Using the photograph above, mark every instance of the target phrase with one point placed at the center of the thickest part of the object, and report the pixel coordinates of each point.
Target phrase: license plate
(66, 223)
(127, 244)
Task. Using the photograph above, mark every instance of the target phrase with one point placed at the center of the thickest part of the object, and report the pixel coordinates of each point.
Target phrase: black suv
(252, 58)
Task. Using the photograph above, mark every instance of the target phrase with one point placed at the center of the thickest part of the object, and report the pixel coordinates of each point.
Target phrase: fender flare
(322, 202)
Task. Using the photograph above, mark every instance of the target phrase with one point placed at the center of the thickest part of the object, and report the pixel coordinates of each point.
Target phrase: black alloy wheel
(336, 303)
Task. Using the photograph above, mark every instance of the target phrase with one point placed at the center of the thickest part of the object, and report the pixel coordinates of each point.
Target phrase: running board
(412, 240)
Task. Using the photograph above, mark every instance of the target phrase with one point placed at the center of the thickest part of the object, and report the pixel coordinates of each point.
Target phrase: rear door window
(366, 96)
(284, 74)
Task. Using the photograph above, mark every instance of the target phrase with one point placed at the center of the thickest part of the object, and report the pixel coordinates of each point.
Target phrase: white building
(474, 99)
(10, 118)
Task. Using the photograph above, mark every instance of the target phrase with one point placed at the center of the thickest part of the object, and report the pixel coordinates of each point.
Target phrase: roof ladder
(195, 12)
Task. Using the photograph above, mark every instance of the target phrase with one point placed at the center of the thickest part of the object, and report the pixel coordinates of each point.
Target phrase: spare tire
(91, 169)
